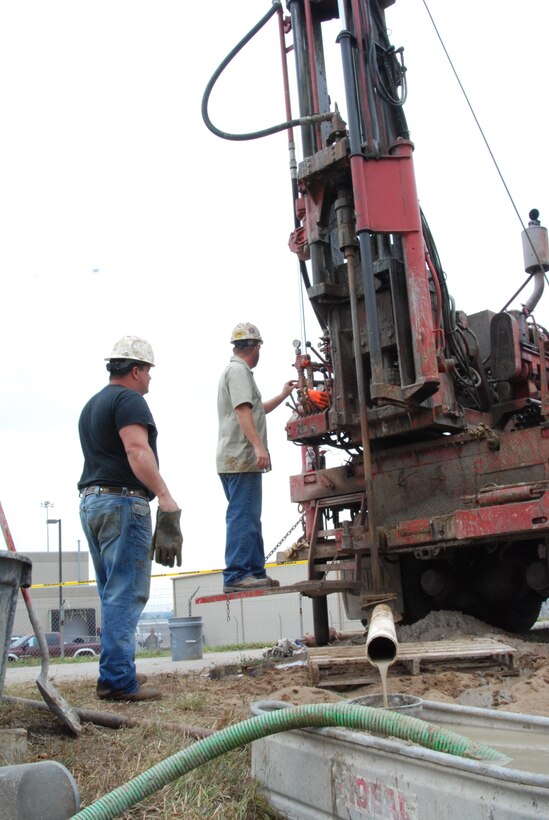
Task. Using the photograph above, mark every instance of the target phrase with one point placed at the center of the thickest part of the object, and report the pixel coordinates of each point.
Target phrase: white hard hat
(246, 331)
(134, 348)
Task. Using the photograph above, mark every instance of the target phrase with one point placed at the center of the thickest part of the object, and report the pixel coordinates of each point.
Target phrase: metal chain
(292, 528)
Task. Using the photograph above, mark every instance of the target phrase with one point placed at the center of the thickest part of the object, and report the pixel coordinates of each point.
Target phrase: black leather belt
(114, 491)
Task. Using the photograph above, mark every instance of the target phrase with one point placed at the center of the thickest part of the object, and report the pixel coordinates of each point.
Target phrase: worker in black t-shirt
(120, 477)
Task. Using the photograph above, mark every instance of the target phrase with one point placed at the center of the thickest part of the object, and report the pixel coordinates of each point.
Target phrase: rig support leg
(320, 620)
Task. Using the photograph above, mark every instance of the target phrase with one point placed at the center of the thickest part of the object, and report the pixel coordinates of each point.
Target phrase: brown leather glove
(167, 538)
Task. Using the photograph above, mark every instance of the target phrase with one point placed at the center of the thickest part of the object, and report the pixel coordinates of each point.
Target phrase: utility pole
(61, 613)
(47, 505)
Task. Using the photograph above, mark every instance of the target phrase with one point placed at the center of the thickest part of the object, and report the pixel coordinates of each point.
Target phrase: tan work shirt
(237, 386)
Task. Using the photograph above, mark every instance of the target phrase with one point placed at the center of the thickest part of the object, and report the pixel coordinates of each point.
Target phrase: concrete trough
(15, 572)
(311, 774)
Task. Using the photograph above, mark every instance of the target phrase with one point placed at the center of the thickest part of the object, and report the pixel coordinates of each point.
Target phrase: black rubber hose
(253, 135)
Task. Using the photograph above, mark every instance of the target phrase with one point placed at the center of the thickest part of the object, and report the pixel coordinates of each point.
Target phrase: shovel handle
(6, 530)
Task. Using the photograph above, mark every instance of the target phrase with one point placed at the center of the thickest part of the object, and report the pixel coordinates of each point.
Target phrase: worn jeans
(119, 533)
(244, 551)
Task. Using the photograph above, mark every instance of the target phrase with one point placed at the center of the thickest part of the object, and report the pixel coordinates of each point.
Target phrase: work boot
(272, 582)
(101, 690)
(250, 582)
(133, 697)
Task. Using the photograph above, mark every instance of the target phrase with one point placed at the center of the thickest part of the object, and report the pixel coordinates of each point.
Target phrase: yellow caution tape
(157, 575)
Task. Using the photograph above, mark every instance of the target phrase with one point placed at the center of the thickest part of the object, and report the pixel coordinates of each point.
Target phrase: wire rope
(489, 149)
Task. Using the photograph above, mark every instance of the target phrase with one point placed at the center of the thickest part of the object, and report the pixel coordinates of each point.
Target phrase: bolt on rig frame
(443, 418)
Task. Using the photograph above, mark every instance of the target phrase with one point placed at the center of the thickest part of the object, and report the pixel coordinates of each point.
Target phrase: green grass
(232, 647)
(52, 661)
(102, 760)
(224, 788)
(235, 647)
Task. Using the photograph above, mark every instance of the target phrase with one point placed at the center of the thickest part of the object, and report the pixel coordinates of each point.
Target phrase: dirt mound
(439, 626)
(298, 695)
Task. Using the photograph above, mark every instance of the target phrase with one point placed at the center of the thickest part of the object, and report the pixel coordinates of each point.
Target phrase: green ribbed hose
(350, 716)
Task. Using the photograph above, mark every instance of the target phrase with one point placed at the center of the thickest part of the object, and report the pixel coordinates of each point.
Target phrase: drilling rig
(441, 418)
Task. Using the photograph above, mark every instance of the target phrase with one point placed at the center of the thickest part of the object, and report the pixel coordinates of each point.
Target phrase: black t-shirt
(105, 460)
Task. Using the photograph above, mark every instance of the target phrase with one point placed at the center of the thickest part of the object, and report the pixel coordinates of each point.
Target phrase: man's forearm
(145, 469)
(245, 419)
(247, 425)
(271, 404)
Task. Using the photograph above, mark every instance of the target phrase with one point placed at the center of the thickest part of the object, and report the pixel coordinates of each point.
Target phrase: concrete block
(13, 746)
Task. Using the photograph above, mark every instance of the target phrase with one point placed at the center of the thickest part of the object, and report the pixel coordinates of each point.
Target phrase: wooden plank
(328, 662)
(356, 651)
(346, 680)
(423, 649)
(338, 658)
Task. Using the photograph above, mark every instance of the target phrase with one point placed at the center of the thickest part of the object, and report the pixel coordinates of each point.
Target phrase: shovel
(55, 701)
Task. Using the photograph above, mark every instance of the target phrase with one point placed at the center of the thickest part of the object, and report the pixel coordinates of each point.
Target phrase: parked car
(28, 647)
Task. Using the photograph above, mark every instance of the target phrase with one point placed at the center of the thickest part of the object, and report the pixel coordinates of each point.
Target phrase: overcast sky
(121, 214)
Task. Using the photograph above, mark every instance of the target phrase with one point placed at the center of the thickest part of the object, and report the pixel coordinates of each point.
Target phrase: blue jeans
(244, 552)
(119, 533)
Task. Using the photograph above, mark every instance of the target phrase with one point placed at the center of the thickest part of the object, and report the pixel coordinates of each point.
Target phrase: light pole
(47, 505)
(61, 613)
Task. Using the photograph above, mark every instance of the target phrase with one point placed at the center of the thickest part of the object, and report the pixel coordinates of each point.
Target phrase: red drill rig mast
(443, 499)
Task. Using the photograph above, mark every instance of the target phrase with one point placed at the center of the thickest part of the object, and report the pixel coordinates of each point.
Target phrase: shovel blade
(59, 706)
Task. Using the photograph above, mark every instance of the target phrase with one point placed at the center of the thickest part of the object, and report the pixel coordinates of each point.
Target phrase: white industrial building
(263, 619)
(79, 600)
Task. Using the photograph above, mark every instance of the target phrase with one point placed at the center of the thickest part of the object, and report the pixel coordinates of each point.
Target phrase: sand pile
(439, 626)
